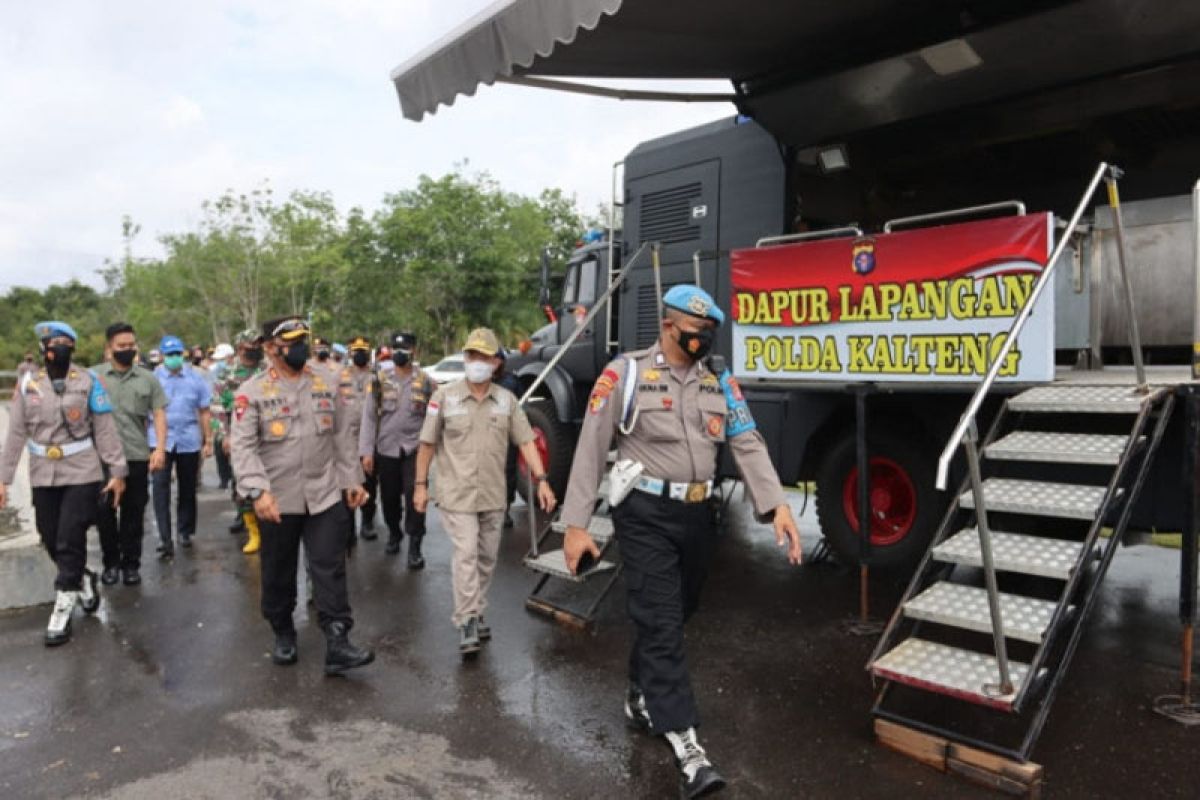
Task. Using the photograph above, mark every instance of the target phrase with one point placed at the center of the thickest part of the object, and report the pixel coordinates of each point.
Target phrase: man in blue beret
(62, 415)
(670, 411)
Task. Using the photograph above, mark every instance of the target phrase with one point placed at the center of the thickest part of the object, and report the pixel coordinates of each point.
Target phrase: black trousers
(370, 483)
(224, 467)
(665, 547)
(187, 468)
(324, 536)
(63, 514)
(397, 480)
(122, 529)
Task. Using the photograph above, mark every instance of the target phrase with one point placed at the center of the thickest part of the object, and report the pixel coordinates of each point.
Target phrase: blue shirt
(187, 394)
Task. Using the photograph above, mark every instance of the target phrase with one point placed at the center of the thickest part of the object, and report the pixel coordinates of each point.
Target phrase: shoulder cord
(629, 413)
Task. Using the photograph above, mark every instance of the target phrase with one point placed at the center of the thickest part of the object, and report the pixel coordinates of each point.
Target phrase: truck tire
(555, 444)
(904, 499)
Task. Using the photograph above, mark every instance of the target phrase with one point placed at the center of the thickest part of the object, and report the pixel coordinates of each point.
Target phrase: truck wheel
(903, 500)
(555, 445)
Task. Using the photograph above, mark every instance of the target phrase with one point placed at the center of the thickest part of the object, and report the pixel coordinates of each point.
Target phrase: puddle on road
(287, 756)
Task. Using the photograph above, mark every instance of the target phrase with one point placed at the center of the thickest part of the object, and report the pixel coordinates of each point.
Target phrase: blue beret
(171, 344)
(50, 329)
(693, 300)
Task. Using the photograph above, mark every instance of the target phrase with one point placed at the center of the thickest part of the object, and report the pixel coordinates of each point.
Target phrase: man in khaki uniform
(670, 413)
(392, 416)
(293, 458)
(62, 415)
(468, 425)
(353, 383)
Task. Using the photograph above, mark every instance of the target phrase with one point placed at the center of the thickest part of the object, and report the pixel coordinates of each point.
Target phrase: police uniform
(673, 421)
(353, 384)
(470, 438)
(290, 439)
(68, 429)
(392, 416)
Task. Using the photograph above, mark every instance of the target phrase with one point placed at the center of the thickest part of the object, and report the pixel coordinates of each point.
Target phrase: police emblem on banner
(863, 253)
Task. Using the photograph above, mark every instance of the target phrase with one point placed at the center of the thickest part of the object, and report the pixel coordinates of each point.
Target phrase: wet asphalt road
(169, 693)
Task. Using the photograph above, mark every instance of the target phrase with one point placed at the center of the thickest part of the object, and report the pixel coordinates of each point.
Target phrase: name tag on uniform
(501, 407)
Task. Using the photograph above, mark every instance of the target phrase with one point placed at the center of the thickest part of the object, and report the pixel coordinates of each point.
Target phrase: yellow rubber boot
(254, 540)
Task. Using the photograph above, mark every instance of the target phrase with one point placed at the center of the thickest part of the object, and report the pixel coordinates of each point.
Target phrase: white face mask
(479, 371)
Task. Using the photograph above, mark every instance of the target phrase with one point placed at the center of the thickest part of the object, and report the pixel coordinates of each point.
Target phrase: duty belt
(684, 492)
(56, 452)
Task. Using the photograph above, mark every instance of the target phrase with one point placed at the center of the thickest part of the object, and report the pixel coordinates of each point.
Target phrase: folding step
(554, 562)
(962, 674)
(1062, 448)
(1024, 618)
(600, 527)
(1013, 552)
(1083, 399)
(1067, 500)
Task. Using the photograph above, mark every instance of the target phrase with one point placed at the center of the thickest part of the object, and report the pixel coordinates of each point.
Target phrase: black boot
(393, 542)
(284, 652)
(239, 524)
(415, 559)
(368, 530)
(340, 654)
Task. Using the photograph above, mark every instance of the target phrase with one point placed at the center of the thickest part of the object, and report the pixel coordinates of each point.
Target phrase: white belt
(54, 452)
(684, 492)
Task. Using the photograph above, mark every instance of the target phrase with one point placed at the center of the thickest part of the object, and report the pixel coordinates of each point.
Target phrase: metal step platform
(1060, 448)
(554, 562)
(1066, 500)
(966, 607)
(951, 671)
(1075, 399)
(1013, 552)
(600, 527)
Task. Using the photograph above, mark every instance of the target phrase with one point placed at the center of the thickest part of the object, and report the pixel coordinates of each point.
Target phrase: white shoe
(58, 630)
(89, 592)
(697, 775)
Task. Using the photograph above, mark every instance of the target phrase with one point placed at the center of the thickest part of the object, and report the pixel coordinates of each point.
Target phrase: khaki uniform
(676, 422)
(290, 438)
(353, 384)
(471, 438)
(66, 488)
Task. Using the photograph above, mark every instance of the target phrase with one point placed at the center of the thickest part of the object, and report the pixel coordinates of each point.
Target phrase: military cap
(50, 329)
(287, 328)
(693, 300)
(403, 341)
(482, 340)
(248, 336)
(360, 343)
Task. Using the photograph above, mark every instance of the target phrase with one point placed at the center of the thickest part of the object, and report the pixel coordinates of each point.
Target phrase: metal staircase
(1020, 555)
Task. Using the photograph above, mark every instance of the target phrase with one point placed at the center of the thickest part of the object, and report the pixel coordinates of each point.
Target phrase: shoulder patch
(740, 420)
(98, 399)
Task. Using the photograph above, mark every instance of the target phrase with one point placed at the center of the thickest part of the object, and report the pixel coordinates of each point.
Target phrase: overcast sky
(147, 108)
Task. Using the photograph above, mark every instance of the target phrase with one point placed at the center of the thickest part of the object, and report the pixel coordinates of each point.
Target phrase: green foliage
(438, 259)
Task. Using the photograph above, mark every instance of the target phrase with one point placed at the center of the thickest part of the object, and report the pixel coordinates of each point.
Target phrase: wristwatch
(540, 478)
(254, 494)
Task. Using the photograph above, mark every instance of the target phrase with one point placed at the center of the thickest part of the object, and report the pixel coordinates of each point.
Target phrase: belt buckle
(696, 492)
(54, 452)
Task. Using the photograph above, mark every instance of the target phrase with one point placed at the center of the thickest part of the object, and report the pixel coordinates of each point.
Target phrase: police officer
(391, 427)
(354, 381)
(62, 415)
(293, 459)
(670, 413)
(468, 426)
(248, 364)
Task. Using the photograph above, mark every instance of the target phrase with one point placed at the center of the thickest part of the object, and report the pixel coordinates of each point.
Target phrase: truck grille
(666, 215)
(647, 315)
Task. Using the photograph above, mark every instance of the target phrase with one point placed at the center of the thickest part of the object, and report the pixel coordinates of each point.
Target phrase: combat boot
(368, 531)
(254, 538)
(415, 559)
(89, 593)
(697, 776)
(393, 542)
(468, 638)
(58, 631)
(636, 713)
(284, 652)
(340, 654)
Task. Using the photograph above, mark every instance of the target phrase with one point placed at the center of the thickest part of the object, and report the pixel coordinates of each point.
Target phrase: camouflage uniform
(225, 389)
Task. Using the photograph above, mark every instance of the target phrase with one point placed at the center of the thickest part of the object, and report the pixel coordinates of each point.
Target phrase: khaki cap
(482, 340)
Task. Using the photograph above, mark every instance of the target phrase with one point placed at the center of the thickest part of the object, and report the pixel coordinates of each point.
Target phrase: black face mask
(322, 355)
(360, 358)
(62, 357)
(400, 358)
(696, 344)
(197, 361)
(253, 354)
(124, 357)
(296, 355)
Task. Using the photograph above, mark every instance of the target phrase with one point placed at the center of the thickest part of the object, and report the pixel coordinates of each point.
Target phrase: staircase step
(600, 527)
(1064, 448)
(1067, 500)
(554, 562)
(1076, 398)
(1013, 552)
(1025, 618)
(939, 668)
